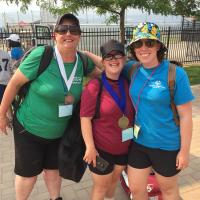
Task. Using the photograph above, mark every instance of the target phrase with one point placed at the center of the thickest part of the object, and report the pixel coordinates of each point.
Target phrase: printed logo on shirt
(77, 80)
(156, 84)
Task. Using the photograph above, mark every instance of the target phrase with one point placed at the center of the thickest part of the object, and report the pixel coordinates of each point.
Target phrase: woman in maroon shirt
(107, 137)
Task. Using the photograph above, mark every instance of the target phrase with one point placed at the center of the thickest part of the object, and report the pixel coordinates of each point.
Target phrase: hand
(90, 156)
(182, 160)
(4, 124)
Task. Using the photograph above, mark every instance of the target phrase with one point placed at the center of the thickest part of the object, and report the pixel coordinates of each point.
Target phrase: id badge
(65, 110)
(136, 130)
(127, 134)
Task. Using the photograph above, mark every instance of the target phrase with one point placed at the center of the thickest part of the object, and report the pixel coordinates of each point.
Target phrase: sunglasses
(109, 57)
(63, 29)
(148, 43)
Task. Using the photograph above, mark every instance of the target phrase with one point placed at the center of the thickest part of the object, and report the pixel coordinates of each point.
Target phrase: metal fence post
(183, 44)
(168, 38)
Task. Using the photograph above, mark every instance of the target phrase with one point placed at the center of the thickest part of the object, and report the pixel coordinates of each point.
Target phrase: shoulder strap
(132, 69)
(45, 59)
(171, 84)
(98, 102)
(84, 60)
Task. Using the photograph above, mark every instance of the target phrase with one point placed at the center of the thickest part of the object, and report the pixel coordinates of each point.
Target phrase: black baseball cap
(111, 45)
(68, 16)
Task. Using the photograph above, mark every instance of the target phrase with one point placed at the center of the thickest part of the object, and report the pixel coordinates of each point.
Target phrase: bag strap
(84, 60)
(45, 59)
(98, 101)
(44, 62)
(171, 84)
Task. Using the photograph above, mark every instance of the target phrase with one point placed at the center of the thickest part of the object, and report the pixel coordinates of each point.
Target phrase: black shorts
(112, 160)
(33, 153)
(162, 161)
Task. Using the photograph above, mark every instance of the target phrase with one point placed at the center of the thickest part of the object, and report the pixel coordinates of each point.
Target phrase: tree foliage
(117, 8)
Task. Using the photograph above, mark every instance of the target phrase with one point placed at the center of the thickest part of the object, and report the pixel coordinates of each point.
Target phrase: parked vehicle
(42, 35)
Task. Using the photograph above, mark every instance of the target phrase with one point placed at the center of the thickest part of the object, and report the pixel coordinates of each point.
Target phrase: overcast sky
(13, 7)
(11, 14)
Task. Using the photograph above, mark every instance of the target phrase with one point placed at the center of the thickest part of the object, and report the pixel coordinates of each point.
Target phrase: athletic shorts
(33, 153)
(162, 161)
(112, 160)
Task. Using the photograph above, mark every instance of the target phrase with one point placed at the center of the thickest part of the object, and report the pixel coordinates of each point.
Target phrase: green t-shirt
(38, 113)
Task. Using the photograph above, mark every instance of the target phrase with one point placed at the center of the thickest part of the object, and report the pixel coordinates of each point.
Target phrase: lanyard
(69, 81)
(121, 102)
(142, 88)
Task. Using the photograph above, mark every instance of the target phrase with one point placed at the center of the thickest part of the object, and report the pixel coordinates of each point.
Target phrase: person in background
(15, 50)
(14, 44)
(5, 71)
(159, 143)
(43, 115)
(108, 136)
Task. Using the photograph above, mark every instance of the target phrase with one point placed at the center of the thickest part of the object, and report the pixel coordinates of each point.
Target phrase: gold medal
(69, 99)
(123, 122)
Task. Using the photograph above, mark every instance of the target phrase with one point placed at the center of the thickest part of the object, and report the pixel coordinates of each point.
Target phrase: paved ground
(189, 179)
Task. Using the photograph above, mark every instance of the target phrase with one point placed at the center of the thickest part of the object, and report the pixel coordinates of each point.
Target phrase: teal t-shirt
(38, 112)
(151, 98)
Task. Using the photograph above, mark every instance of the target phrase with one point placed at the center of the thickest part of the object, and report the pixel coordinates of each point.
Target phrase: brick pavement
(189, 179)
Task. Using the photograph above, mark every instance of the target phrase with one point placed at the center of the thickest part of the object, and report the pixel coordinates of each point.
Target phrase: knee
(137, 189)
(115, 179)
(101, 188)
(51, 175)
(168, 189)
(26, 180)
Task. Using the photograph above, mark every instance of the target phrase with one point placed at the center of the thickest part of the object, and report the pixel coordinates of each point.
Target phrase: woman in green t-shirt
(43, 115)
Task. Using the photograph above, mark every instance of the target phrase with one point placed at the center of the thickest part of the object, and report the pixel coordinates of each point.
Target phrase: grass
(193, 72)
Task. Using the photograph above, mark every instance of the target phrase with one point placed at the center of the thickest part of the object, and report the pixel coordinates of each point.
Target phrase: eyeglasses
(148, 43)
(109, 57)
(63, 29)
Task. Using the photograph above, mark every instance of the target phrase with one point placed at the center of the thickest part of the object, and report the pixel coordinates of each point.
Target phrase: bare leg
(137, 179)
(24, 186)
(53, 182)
(168, 186)
(115, 177)
(100, 187)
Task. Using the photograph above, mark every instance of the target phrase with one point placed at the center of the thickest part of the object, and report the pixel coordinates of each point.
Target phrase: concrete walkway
(189, 179)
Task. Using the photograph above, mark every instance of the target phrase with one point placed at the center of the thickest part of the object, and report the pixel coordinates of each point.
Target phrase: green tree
(117, 8)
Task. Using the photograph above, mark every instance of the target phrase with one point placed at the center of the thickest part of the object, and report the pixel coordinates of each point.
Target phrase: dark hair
(13, 44)
(160, 53)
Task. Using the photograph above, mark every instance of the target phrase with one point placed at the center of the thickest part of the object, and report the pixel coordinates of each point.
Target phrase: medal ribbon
(69, 81)
(121, 102)
(142, 88)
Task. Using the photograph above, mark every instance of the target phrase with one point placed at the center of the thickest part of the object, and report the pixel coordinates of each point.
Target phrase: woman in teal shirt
(158, 143)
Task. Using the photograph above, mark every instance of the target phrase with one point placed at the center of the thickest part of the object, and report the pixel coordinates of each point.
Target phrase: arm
(185, 114)
(12, 88)
(90, 153)
(96, 59)
(95, 73)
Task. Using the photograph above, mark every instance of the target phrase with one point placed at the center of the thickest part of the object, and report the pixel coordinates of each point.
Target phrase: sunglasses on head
(63, 29)
(109, 57)
(148, 43)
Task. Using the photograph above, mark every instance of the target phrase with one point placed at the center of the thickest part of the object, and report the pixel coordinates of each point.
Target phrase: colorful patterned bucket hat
(147, 30)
